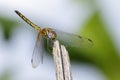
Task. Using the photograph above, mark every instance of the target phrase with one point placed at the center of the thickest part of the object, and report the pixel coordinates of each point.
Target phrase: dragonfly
(50, 34)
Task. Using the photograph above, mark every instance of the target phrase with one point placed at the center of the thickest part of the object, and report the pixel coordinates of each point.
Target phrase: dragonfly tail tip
(16, 11)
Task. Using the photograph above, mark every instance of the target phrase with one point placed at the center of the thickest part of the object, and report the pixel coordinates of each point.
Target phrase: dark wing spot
(90, 40)
(79, 37)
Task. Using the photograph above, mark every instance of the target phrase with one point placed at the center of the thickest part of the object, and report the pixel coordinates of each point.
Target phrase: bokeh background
(95, 19)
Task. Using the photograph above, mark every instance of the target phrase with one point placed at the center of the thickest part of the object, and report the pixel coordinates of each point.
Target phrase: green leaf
(103, 54)
(8, 25)
(6, 75)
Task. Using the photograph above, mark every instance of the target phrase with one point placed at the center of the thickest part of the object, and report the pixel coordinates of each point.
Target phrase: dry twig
(62, 62)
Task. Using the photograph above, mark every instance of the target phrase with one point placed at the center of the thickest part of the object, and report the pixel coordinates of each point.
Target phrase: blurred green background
(94, 19)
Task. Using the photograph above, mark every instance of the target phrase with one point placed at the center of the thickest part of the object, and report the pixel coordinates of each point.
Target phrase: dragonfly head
(51, 35)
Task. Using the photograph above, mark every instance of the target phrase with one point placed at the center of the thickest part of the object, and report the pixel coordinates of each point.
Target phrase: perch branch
(62, 62)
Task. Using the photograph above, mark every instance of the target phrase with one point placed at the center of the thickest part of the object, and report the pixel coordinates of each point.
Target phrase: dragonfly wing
(37, 56)
(72, 40)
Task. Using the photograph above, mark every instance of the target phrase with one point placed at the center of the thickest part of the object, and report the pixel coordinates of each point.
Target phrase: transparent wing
(72, 40)
(37, 56)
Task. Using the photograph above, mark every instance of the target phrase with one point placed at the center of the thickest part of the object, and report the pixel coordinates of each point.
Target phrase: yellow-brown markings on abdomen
(28, 21)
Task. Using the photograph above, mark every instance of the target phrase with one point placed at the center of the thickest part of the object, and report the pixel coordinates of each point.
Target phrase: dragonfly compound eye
(52, 35)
